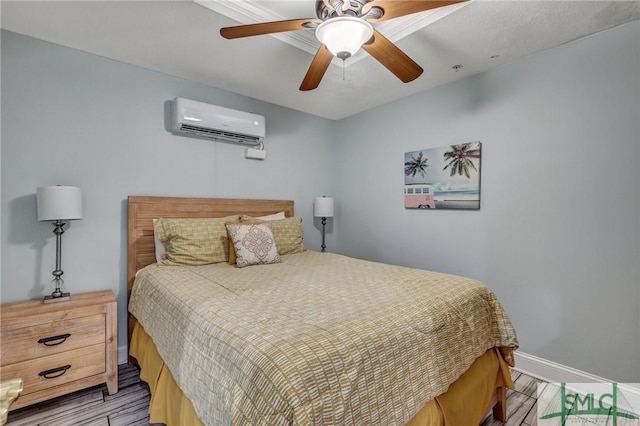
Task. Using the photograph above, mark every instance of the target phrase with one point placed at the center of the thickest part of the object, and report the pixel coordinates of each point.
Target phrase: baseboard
(577, 380)
(553, 372)
(123, 355)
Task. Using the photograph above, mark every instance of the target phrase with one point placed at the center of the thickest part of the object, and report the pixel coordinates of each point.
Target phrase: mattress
(317, 339)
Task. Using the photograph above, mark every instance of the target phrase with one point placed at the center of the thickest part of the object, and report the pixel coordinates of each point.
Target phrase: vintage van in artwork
(419, 196)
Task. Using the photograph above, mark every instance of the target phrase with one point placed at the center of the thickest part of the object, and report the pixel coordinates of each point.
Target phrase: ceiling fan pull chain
(343, 70)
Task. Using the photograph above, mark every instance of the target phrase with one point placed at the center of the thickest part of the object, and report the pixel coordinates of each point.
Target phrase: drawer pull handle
(54, 340)
(51, 374)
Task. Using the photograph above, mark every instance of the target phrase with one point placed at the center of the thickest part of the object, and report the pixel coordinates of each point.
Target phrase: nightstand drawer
(58, 369)
(51, 338)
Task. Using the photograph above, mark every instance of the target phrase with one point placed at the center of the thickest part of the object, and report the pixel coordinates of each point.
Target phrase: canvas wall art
(443, 178)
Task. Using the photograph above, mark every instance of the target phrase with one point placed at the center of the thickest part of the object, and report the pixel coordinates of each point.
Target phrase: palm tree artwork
(460, 159)
(416, 164)
(445, 177)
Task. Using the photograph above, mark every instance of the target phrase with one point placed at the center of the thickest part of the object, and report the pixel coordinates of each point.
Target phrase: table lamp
(323, 208)
(58, 204)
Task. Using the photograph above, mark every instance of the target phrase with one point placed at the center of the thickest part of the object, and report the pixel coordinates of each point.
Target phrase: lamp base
(52, 299)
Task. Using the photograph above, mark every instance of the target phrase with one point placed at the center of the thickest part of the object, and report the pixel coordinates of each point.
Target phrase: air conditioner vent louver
(219, 134)
(205, 121)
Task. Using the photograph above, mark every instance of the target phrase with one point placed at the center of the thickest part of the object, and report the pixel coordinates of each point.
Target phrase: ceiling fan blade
(396, 8)
(267, 28)
(394, 59)
(318, 67)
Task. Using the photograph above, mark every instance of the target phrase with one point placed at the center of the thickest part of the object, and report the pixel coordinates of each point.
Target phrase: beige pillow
(288, 235)
(254, 244)
(287, 232)
(194, 241)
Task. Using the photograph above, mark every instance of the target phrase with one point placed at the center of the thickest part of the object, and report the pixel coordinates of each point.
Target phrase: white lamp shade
(59, 203)
(344, 34)
(323, 207)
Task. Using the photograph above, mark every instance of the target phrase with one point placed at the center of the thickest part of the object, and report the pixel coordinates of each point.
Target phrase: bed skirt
(465, 402)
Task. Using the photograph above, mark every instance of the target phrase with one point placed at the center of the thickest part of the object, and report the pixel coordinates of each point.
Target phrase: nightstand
(58, 348)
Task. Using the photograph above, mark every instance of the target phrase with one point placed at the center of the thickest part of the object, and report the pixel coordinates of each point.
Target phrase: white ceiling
(182, 38)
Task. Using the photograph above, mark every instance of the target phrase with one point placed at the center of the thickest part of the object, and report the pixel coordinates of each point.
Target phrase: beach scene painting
(443, 178)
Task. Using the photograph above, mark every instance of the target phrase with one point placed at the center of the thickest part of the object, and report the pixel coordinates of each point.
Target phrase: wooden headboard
(142, 211)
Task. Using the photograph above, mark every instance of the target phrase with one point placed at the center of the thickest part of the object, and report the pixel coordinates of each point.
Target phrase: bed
(314, 338)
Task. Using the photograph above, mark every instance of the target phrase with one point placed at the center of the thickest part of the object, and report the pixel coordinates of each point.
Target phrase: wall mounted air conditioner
(205, 121)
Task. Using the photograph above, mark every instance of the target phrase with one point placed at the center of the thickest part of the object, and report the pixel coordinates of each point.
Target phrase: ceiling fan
(343, 27)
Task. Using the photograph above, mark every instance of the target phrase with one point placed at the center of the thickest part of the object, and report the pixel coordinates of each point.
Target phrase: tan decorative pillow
(194, 241)
(254, 244)
(232, 250)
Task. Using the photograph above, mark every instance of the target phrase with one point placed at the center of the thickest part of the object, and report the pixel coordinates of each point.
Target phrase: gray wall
(558, 234)
(557, 237)
(73, 118)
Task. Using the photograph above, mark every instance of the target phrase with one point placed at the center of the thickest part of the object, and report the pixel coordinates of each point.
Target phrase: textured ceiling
(182, 38)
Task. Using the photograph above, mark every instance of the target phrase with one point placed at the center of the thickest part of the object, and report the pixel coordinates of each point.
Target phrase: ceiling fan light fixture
(344, 35)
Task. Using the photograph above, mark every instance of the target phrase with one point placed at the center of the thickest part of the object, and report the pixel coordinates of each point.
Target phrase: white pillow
(275, 216)
(160, 250)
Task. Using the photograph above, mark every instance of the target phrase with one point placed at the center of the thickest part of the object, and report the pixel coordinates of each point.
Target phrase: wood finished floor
(128, 407)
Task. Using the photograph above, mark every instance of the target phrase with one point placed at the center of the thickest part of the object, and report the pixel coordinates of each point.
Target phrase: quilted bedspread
(317, 339)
